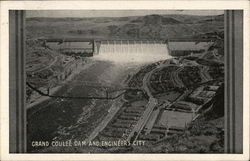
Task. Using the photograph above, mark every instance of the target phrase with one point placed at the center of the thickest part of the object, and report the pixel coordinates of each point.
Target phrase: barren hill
(146, 27)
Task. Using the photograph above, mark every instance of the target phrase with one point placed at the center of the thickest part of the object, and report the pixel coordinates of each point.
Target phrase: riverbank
(80, 67)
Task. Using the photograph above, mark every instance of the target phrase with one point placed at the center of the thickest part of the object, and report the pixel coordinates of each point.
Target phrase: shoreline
(57, 88)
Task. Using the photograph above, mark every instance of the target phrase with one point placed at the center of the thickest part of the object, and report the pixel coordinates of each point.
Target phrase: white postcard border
(106, 5)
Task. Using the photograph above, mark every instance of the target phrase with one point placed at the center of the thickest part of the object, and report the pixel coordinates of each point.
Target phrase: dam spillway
(133, 51)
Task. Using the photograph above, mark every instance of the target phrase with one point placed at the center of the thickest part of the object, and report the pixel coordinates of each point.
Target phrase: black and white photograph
(126, 81)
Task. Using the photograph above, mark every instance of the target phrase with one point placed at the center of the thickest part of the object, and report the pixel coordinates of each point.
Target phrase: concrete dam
(132, 50)
(114, 50)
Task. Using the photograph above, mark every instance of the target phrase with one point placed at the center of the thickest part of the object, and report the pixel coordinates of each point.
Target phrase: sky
(115, 13)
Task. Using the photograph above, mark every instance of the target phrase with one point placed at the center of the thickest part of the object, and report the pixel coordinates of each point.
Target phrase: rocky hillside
(141, 27)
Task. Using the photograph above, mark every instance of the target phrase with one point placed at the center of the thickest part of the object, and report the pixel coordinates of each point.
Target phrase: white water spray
(133, 51)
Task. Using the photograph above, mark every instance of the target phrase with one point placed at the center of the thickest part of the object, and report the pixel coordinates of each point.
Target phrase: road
(143, 120)
(176, 79)
(116, 105)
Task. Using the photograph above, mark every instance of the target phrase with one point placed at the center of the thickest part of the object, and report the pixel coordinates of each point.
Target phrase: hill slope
(146, 27)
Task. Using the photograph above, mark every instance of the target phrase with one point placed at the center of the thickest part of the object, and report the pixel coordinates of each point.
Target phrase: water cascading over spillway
(133, 51)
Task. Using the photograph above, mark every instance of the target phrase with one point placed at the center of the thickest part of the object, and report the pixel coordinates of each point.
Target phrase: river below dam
(65, 119)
